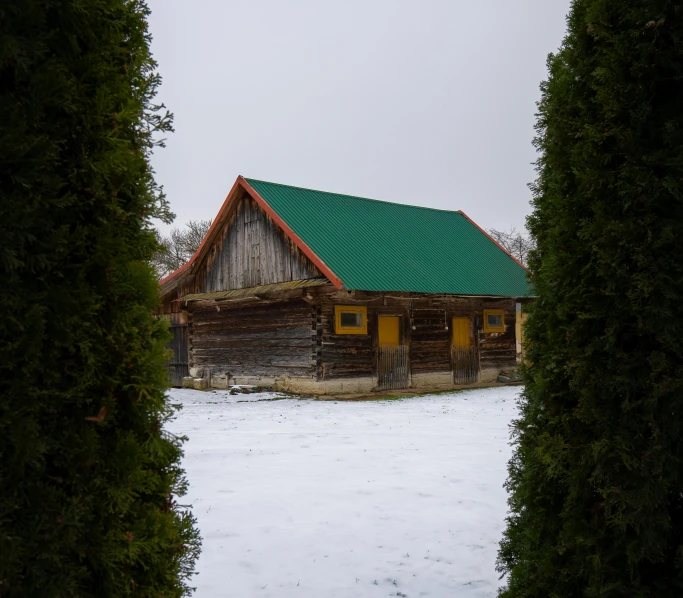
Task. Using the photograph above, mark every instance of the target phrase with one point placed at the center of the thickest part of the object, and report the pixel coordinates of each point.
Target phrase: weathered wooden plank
(253, 322)
(344, 340)
(248, 359)
(237, 335)
(281, 340)
(243, 316)
(254, 350)
(229, 361)
(264, 330)
(252, 318)
(338, 372)
(249, 370)
(254, 345)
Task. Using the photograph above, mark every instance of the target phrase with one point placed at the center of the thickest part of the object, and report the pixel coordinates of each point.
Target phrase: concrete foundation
(219, 381)
(308, 386)
(294, 385)
(254, 381)
(200, 383)
(420, 382)
(433, 380)
(490, 375)
(196, 372)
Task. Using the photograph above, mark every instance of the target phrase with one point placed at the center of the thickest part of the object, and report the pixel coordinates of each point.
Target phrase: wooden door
(388, 330)
(464, 356)
(461, 332)
(392, 357)
(178, 366)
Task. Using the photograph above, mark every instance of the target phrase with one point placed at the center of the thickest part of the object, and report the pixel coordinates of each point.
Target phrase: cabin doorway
(392, 356)
(178, 366)
(464, 354)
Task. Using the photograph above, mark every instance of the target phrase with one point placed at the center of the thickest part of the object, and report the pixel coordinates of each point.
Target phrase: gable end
(251, 250)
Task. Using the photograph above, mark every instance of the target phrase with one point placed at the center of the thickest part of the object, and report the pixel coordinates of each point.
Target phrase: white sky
(425, 102)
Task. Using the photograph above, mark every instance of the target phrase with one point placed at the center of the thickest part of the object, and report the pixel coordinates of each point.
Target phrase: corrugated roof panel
(380, 246)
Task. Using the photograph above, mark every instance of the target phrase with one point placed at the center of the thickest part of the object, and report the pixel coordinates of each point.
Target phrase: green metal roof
(380, 246)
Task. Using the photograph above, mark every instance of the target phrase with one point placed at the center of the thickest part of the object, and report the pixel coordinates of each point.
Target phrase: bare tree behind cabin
(179, 246)
(514, 242)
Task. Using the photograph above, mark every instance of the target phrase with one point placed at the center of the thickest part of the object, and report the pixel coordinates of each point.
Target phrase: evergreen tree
(87, 474)
(596, 480)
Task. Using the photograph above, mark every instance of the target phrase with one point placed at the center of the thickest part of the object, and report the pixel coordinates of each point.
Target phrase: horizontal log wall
(249, 251)
(427, 329)
(498, 350)
(276, 339)
(343, 355)
(296, 337)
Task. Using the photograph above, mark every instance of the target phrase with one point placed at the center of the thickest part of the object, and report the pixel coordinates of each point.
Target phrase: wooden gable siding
(271, 339)
(251, 250)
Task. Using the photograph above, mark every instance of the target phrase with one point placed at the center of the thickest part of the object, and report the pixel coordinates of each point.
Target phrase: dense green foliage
(596, 481)
(87, 476)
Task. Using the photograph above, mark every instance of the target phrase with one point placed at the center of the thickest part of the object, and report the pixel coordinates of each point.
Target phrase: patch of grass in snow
(280, 398)
(433, 393)
(416, 395)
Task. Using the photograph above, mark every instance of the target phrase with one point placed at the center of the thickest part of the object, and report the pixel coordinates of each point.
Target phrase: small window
(351, 319)
(494, 320)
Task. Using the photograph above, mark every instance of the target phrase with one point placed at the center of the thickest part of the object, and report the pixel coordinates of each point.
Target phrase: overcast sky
(424, 102)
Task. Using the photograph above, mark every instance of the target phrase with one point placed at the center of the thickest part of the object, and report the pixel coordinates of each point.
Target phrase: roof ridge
(393, 203)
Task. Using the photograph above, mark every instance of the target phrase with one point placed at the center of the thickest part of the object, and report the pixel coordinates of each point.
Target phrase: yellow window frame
(494, 312)
(356, 309)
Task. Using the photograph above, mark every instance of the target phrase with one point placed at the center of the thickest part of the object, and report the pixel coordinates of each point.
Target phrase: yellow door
(388, 330)
(461, 332)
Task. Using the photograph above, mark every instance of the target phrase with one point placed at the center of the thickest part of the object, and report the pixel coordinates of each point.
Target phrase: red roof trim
(173, 274)
(241, 182)
(492, 239)
(310, 254)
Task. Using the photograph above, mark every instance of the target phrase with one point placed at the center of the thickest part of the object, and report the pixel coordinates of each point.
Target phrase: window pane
(494, 321)
(350, 319)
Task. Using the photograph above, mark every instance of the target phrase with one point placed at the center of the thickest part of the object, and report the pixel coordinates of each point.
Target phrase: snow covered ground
(310, 498)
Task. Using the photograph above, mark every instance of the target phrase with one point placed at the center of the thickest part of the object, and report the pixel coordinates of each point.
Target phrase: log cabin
(320, 293)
